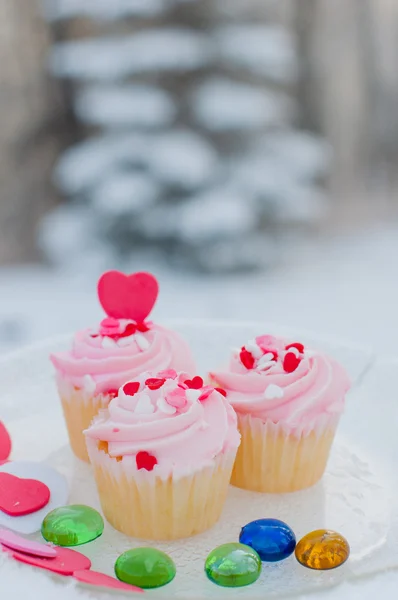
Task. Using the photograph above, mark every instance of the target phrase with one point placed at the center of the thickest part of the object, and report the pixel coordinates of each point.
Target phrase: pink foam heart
(5, 443)
(21, 544)
(102, 580)
(20, 497)
(127, 296)
(66, 562)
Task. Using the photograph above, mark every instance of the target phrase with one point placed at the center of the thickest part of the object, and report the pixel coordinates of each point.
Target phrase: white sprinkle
(252, 347)
(263, 366)
(125, 341)
(166, 408)
(273, 392)
(144, 405)
(108, 342)
(294, 350)
(89, 384)
(142, 342)
(267, 357)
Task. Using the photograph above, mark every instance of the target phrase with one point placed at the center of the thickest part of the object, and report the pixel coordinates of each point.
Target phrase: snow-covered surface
(222, 104)
(155, 51)
(265, 50)
(136, 106)
(344, 286)
(57, 10)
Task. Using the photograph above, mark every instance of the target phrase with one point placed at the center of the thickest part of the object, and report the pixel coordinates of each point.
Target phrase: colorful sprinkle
(297, 345)
(154, 383)
(221, 391)
(246, 358)
(131, 388)
(177, 398)
(194, 384)
(146, 461)
(291, 362)
(206, 392)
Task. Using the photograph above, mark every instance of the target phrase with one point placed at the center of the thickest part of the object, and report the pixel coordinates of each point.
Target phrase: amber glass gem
(322, 550)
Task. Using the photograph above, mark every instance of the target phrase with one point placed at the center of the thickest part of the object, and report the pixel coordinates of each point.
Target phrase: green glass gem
(233, 565)
(72, 525)
(145, 568)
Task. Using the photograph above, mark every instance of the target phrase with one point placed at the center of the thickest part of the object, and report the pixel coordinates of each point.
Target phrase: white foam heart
(51, 478)
(273, 392)
(144, 405)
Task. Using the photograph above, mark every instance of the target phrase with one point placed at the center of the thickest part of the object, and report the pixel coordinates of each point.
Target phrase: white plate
(356, 496)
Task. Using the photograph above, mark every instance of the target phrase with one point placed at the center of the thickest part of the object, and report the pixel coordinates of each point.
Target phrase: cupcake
(124, 345)
(162, 454)
(288, 400)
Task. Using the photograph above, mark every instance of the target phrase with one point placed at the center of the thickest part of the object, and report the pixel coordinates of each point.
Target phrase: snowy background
(245, 152)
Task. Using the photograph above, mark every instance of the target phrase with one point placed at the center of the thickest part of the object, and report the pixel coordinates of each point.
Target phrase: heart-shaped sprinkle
(105, 581)
(5, 442)
(194, 384)
(131, 388)
(141, 342)
(177, 398)
(273, 392)
(291, 362)
(56, 483)
(112, 393)
(254, 349)
(20, 497)
(247, 359)
(221, 391)
(165, 407)
(143, 327)
(154, 383)
(128, 296)
(144, 405)
(146, 461)
(297, 345)
(130, 329)
(168, 374)
(206, 392)
(17, 542)
(66, 562)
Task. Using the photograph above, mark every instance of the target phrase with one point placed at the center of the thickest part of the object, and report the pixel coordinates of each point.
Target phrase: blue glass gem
(272, 539)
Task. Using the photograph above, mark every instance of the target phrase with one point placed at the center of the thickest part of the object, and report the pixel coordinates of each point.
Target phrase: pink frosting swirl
(100, 363)
(283, 384)
(180, 427)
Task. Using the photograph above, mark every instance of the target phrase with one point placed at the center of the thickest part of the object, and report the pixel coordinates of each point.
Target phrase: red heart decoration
(20, 497)
(246, 358)
(65, 563)
(127, 296)
(154, 383)
(291, 362)
(102, 580)
(221, 391)
(194, 384)
(145, 461)
(5, 443)
(131, 388)
(297, 345)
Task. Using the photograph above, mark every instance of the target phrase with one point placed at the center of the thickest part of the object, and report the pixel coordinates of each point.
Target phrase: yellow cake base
(79, 411)
(143, 505)
(272, 461)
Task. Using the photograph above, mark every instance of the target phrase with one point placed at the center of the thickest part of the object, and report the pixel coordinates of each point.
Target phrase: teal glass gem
(233, 565)
(145, 567)
(72, 525)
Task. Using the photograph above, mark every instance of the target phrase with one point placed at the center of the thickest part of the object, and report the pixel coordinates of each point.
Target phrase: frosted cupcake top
(167, 422)
(281, 381)
(125, 344)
